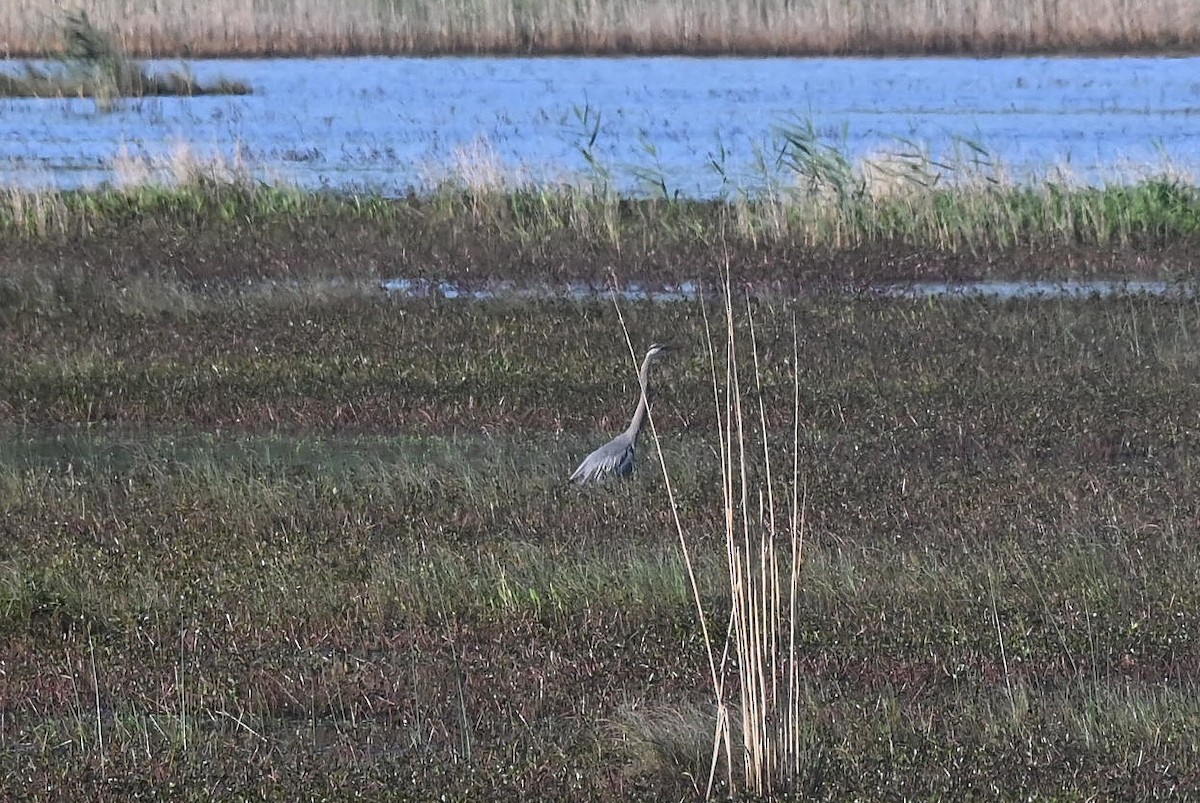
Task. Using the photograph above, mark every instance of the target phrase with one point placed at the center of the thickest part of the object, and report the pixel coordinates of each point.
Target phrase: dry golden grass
(296, 27)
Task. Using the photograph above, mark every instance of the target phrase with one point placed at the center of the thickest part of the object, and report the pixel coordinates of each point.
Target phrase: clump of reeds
(815, 193)
(964, 201)
(759, 731)
(181, 168)
(764, 535)
(91, 65)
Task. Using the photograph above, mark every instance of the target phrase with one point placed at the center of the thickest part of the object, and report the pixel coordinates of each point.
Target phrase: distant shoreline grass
(909, 211)
(697, 27)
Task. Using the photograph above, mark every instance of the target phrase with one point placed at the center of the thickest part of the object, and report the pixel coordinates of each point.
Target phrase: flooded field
(695, 127)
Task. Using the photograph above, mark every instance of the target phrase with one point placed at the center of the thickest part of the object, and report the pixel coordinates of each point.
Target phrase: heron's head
(657, 349)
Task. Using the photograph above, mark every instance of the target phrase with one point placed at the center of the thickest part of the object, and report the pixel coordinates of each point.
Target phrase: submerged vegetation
(92, 66)
(701, 27)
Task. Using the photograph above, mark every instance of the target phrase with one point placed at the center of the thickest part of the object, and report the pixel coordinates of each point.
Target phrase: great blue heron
(616, 456)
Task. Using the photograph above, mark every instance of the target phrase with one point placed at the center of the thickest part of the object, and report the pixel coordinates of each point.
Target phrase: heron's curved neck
(643, 407)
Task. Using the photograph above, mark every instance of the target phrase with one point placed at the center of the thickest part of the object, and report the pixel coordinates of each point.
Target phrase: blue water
(695, 127)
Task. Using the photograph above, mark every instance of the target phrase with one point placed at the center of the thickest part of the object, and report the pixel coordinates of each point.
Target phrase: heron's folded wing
(614, 457)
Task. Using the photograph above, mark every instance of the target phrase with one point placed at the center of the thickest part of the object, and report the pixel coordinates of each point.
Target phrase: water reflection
(689, 291)
(571, 291)
(1065, 289)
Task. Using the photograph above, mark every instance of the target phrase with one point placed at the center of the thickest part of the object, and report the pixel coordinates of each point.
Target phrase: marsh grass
(91, 65)
(963, 201)
(388, 586)
(715, 27)
(814, 199)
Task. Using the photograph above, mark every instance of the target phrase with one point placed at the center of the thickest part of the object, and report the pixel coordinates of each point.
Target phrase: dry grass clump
(758, 722)
(181, 167)
(289, 27)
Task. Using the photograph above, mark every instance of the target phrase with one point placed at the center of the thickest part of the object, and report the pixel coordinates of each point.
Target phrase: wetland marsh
(284, 511)
(286, 542)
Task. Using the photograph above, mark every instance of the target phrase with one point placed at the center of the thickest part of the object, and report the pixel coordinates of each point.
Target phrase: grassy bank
(818, 220)
(285, 544)
(708, 27)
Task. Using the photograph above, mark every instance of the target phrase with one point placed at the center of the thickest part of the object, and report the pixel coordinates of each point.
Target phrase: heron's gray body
(616, 456)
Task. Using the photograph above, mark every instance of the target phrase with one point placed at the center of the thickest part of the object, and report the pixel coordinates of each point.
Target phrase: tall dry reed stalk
(297, 27)
(764, 530)
(758, 733)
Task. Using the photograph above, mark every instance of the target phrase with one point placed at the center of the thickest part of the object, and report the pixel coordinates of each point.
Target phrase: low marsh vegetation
(712, 27)
(816, 218)
(283, 544)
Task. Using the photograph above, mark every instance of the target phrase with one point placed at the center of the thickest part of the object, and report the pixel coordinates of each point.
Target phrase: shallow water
(1067, 289)
(690, 291)
(573, 291)
(696, 127)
